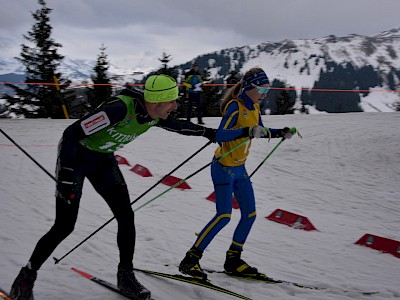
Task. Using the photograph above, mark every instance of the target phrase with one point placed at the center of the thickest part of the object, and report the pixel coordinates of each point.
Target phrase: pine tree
(284, 103)
(165, 59)
(280, 100)
(39, 98)
(101, 90)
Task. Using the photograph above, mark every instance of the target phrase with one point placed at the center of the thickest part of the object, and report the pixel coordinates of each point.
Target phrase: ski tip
(84, 274)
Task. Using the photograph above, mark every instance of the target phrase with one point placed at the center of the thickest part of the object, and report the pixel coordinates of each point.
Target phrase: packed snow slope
(343, 175)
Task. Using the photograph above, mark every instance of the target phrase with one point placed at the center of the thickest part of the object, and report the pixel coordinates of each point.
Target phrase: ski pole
(27, 154)
(268, 156)
(57, 260)
(292, 130)
(191, 175)
(137, 199)
(158, 182)
(52, 177)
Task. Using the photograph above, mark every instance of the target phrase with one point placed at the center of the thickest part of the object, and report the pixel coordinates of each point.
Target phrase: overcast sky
(137, 32)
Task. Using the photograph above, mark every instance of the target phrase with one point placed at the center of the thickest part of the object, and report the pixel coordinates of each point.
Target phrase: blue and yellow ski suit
(229, 174)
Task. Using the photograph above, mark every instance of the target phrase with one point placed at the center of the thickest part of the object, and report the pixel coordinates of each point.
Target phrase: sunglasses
(261, 89)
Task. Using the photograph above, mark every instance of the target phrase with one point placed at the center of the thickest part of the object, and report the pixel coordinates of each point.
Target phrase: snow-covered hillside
(343, 175)
(373, 62)
(299, 62)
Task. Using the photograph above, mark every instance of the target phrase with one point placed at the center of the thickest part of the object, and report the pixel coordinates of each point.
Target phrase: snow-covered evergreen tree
(39, 97)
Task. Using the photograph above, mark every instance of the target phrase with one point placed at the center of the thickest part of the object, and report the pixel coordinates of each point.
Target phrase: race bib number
(95, 123)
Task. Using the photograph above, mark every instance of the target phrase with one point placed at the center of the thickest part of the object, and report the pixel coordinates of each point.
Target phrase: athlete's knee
(252, 215)
(124, 215)
(117, 197)
(223, 219)
(63, 230)
(66, 216)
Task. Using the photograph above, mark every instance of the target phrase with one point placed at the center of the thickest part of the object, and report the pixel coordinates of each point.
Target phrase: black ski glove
(66, 185)
(210, 133)
(287, 132)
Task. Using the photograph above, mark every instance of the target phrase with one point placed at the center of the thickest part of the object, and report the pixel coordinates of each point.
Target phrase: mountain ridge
(351, 62)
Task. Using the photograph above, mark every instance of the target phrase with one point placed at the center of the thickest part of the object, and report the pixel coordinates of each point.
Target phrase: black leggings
(195, 98)
(103, 172)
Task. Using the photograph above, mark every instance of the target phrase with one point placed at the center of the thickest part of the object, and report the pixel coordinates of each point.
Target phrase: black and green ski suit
(87, 150)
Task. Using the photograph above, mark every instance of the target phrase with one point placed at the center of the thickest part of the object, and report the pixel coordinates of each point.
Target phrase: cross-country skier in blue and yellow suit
(241, 120)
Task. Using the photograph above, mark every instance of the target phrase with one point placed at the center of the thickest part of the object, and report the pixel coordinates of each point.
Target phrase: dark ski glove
(287, 132)
(210, 133)
(66, 185)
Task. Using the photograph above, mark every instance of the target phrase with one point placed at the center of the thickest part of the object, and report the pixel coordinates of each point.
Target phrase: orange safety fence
(205, 85)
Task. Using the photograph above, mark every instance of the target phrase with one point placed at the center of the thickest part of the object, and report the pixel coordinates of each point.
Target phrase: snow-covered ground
(343, 175)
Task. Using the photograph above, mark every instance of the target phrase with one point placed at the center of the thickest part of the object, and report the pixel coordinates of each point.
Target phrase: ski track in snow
(343, 175)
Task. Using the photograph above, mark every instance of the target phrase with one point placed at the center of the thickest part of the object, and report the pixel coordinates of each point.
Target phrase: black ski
(4, 295)
(195, 281)
(102, 282)
(264, 278)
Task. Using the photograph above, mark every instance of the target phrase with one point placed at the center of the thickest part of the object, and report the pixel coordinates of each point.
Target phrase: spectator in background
(233, 78)
(193, 83)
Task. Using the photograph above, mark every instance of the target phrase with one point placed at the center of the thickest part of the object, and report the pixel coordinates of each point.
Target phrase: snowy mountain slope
(343, 176)
(353, 62)
(299, 62)
(369, 63)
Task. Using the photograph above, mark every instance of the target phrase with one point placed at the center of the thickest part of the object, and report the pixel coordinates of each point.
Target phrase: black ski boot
(190, 264)
(129, 285)
(235, 266)
(22, 287)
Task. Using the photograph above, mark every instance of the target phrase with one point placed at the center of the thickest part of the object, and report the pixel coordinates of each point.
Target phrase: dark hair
(233, 92)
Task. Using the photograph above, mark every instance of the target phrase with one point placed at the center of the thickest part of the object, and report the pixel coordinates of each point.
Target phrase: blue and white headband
(259, 78)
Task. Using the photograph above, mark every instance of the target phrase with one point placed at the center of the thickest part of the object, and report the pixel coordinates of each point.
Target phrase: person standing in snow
(87, 150)
(193, 82)
(241, 119)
